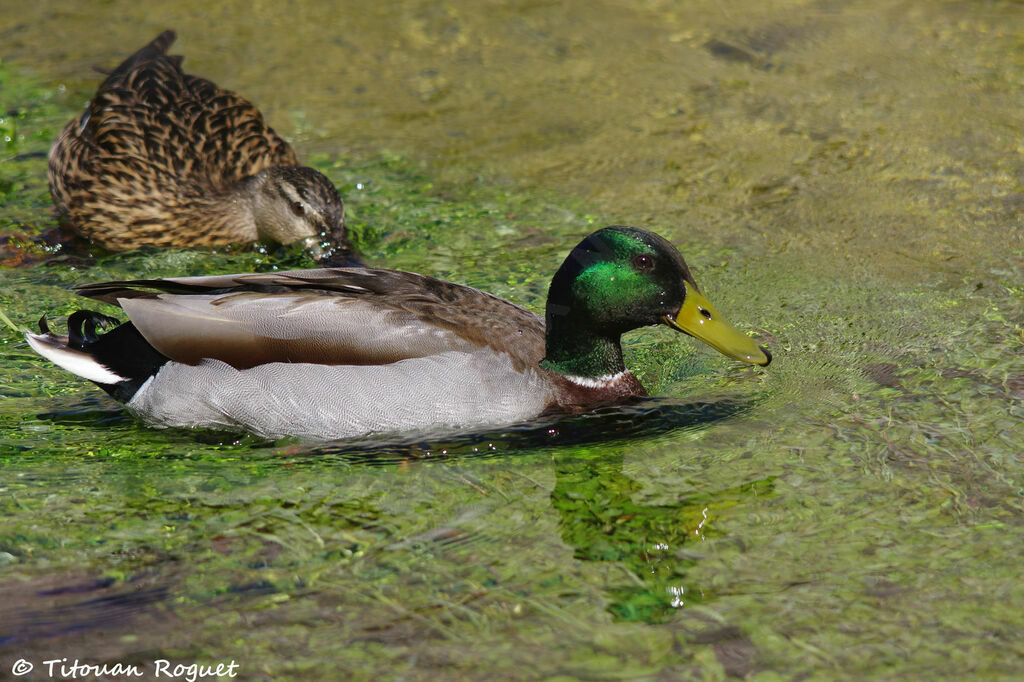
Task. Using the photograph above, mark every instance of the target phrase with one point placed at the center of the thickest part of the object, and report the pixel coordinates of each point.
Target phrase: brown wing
(330, 316)
(229, 134)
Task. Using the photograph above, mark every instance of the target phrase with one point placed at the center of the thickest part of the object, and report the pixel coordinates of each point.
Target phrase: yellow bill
(698, 318)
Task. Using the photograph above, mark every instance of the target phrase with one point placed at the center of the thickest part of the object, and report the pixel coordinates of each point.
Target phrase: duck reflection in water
(595, 500)
(656, 543)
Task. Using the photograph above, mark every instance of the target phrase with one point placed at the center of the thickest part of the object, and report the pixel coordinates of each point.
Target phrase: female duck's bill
(344, 352)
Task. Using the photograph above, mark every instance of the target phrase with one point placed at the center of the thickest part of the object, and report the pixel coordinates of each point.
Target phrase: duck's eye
(643, 263)
(298, 209)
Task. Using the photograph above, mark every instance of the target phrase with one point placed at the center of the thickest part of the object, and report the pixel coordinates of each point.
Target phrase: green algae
(29, 120)
(857, 516)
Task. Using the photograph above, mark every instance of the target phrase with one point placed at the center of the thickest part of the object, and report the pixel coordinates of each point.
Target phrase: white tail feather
(75, 361)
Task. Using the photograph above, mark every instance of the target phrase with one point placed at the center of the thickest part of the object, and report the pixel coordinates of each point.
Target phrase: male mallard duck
(162, 158)
(343, 352)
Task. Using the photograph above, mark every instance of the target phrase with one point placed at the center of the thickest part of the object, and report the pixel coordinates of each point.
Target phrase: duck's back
(153, 147)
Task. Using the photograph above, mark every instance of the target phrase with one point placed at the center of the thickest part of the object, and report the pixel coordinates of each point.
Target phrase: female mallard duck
(162, 158)
(336, 353)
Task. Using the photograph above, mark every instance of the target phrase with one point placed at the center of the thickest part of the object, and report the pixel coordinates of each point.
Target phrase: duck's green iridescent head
(620, 278)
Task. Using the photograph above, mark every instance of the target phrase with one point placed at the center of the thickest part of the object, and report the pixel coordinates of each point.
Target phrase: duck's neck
(247, 201)
(580, 354)
(225, 217)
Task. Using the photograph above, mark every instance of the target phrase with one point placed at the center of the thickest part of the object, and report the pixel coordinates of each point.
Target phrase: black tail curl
(122, 349)
(82, 327)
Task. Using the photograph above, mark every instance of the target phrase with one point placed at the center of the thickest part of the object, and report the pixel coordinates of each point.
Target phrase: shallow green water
(843, 178)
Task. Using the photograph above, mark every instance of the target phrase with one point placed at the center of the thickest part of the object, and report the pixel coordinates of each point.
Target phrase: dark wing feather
(154, 49)
(329, 316)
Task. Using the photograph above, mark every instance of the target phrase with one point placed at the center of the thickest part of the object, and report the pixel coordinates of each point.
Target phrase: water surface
(843, 178)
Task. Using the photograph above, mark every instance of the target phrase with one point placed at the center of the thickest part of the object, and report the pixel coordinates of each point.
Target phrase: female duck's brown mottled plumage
(164, 158)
